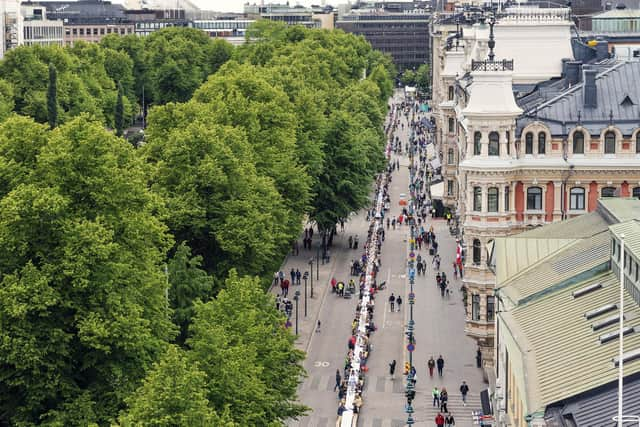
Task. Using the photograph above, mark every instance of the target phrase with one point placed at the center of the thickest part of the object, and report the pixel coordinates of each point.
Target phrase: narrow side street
(439, 325)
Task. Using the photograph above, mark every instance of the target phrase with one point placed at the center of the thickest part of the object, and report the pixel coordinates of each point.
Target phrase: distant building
(290, 15)
(403, 34)
(27, 24)
(147, 21)
(231, 28)
(37, 29)
(617, 21)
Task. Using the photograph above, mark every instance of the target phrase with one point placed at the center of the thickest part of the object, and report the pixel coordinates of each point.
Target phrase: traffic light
(407, 368)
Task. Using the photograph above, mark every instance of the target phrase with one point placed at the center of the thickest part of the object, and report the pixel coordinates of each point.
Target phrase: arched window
(528, 143)
(452, 124)
(638, 142)
(608, 192)
(492, 199)
(636, 192)
(451, 157)
(477, 199)
(534, 198)
(450, 93)
(578, 142)
(576, 201)
(477, 137)
(542, 143)
(494, 144)
(477, 249)
(609, 142)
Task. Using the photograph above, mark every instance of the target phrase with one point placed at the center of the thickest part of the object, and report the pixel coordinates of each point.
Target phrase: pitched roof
(572, 262)
(612, 86)
(631, 231)
(621, 208)
(562, 352)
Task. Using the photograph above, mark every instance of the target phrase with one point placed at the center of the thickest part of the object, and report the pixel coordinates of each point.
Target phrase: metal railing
(487, 65)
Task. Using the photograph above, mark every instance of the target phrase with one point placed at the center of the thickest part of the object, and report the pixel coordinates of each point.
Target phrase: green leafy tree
(119, 115)
(174, 394)
(423, 78)
(7, 103)
(252, 366)
(216, 199)
(82, 295)
(188, 283)
(52, 97)
(408, 78)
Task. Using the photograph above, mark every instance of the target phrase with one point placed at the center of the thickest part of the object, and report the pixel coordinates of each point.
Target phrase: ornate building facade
(522, 150)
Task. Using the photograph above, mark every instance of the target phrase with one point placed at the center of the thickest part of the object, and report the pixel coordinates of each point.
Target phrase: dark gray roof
(614, 84)
(595, 408)
(83, 11)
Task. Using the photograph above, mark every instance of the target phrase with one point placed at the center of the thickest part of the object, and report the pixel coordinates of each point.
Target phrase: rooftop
(618, 99)
(539, 266)
(563, 353)
(618, 13)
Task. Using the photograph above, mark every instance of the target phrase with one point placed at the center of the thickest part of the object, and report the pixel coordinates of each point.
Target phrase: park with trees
(133, 276)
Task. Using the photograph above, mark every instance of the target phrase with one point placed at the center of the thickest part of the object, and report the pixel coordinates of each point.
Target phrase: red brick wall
(519, 201)
(548, 202)
(624, 189)
(593, 196)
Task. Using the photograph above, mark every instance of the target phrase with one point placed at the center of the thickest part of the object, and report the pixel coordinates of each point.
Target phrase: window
(477, 199)
(508, 142)
(636, 192)
(506, 198)
(608, 192)
(528, 143)
(638, 143)
(576, 201)
(542, 143)
(492, 199)
(491, 304)
(450, 93)
(477, 137)
(609, 142)
(578, 142)
(475, 307)
(534, 198)
(449, 187)
(494, 144)
(452, 124)
(477, 248)
(451, 157)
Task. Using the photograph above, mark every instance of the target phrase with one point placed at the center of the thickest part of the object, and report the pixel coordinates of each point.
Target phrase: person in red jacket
(439, 420)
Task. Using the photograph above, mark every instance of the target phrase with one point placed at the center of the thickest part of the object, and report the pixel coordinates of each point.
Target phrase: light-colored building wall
(94, 33)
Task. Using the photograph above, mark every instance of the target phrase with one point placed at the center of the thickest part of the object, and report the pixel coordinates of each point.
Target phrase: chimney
(572, 71)
(589, 90)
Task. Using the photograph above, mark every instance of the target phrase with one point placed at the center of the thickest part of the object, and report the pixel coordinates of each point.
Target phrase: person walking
(392, 368)
(440, 365)
(435, 393)
(464, 389)
(298, 277)
(439, 420)
(355, 242)
(350, 242)
(338, 380)
(293, 276)
(318, 327)
(399, 302)
(392, 301)
(431, 364)
(341, 410)
(449, 421)
(444, 398)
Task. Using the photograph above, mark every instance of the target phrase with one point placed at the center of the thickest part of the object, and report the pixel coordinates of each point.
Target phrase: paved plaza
(439, 327)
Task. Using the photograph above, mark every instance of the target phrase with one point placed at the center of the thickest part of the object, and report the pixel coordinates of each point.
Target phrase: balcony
(487, 65)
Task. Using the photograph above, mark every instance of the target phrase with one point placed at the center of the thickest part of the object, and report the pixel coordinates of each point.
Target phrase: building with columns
(529, 136)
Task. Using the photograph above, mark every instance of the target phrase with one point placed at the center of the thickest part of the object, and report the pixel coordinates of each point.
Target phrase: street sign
(412, 295)
(410, 348)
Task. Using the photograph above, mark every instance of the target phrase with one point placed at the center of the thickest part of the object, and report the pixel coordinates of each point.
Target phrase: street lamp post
(311, 274)
(306, 274)
(296, 297)
(317, 266)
